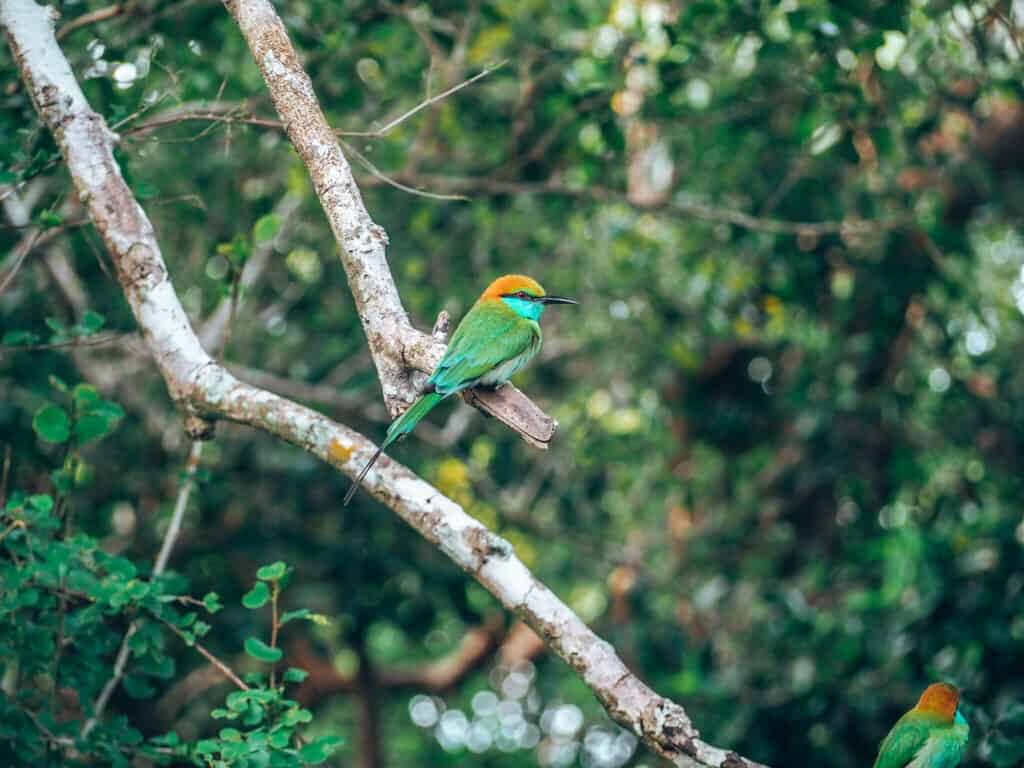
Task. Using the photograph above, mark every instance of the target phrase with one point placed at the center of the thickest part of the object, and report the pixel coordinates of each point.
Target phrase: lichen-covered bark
(205, 388)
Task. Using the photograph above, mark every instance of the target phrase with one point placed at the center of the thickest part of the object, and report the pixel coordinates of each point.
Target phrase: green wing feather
(488, 336)
(903, 743)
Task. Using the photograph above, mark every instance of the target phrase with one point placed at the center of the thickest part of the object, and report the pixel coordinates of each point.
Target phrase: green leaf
(317, 751)
(272, 572)
(266, 227)
(90, 322)
(84, 395)
(1012, 716)
(52, 424)
(230, 734)
(14, 338)
(280, 739)
(261, 651)
(107, 408)
(211, 601)
(257, 596)
(41, 502)
(94, 426)
(295, 675)
(170, 739)
(295, 716)
(207, 747)
(49, 219)
(56, 326)
(62, 480)
(137, 687)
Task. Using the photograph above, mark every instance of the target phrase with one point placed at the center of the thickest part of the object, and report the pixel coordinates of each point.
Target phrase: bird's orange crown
(940, 699)
(511, 284)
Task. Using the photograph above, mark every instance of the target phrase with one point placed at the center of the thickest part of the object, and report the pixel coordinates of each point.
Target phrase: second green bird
(931, 735)
(496, 338)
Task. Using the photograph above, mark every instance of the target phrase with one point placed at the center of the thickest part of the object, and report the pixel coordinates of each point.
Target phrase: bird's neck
(531, 310)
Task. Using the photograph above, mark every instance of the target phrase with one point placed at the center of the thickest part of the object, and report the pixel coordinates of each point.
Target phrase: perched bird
(498, 336)
(931, 735)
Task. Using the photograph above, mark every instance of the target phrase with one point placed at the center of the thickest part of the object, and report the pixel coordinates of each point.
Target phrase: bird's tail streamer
(399, 428)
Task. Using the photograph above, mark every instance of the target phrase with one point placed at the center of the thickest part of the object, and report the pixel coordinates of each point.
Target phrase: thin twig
(274, 627)
(31, 241)
(424, 104)
(170, 537)
(174, 528)
(232, 311)
(5, 475)
(141, 111)
(100, 14)
(391, 182)
(217, 113)
(25, 248)
(705, 212)
(91, 341)
(224, 668)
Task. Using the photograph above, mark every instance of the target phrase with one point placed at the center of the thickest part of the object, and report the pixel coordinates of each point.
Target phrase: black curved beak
(557, 300)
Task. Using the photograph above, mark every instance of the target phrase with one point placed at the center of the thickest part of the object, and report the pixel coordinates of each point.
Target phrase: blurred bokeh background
(787, 481)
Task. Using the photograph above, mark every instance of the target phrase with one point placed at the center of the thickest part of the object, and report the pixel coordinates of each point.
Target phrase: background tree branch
(204, 388)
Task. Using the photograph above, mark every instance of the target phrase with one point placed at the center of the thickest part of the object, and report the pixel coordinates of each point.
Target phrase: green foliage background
(787, 480)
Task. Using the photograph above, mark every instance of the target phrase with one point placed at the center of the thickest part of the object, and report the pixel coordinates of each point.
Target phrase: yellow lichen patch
(339, 452)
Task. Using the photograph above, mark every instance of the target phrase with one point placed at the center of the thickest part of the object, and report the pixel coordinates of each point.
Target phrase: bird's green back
(909, 739)
(490, 334)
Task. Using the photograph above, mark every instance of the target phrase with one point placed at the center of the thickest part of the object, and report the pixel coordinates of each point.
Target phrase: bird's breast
(939, 751)
(502, 372)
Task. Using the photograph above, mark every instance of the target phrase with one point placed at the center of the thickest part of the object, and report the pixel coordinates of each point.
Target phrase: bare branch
(170, 537)
(381, 176)
(100, 14)
(203, 387)
(436, 676)
(223, 668)
(228, 112)
(701, 211)
(444, 187)
(174, 526)
(424, 104)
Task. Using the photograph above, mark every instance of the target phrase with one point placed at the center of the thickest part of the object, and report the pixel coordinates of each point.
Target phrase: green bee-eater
(931, 735)
(497, 337)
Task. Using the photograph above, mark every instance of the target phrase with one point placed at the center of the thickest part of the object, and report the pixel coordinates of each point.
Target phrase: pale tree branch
(204, 388)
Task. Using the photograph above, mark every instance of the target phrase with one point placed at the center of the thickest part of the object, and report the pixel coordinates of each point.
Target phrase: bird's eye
(523, 295)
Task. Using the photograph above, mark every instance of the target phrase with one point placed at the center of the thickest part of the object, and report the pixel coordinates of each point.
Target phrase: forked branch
(205, 388)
